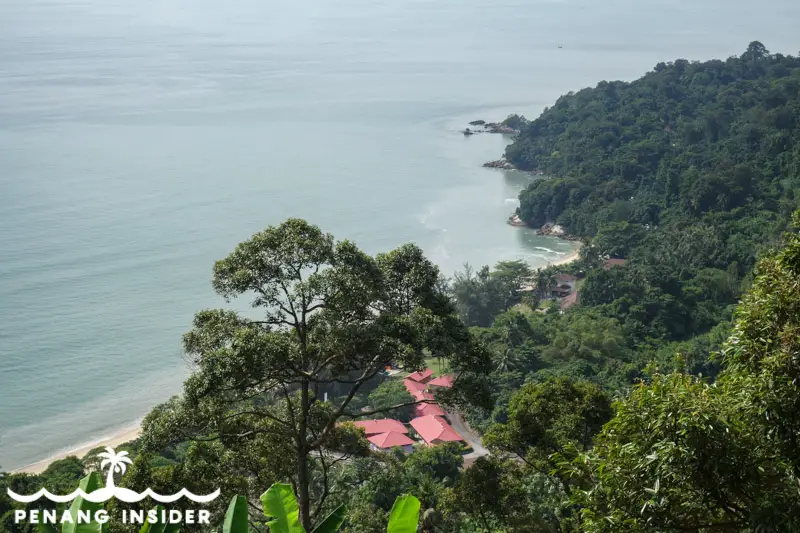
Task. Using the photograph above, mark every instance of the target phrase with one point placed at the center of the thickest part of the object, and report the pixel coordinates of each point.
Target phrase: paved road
(470, 435)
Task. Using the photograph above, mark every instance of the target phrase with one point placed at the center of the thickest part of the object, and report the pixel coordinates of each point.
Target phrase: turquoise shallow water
(140, 140)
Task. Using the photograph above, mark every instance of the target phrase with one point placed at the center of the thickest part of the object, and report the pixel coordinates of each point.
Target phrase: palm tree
(507, 357)
(545, 281)
(117, 463)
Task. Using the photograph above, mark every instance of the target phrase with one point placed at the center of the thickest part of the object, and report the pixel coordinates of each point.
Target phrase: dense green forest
(664, 400)
(710, 143)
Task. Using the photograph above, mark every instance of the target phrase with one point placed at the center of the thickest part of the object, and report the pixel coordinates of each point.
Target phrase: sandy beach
(568, 258)
(124, 435)
(133, 432)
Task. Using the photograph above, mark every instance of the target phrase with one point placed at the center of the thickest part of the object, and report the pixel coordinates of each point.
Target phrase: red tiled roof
(421, 376)
(413, 387)
(435, 428)
(420, 395)
(442, 381)
(384, 425)
(570, 300)
(390, 439)
(428, 409)
(613, 262)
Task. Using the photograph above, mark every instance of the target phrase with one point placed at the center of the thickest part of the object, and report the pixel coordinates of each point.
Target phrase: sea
(141, 140)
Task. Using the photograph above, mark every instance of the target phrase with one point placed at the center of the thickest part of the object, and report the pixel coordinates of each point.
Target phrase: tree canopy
(332, 319)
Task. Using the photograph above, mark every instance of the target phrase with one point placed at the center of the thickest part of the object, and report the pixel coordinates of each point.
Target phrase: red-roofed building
(442, 381)
(421, 376)
(422, 395)
(610, 263)
(384, 425)
(389, 440)
(435, 430)
(570, 300)
(413, 387)
(428, 409)
(565, 278)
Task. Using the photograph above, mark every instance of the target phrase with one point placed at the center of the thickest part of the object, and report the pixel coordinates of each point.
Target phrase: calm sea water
(140, 140)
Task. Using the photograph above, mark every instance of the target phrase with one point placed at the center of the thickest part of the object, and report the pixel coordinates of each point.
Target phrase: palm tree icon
(116, 462)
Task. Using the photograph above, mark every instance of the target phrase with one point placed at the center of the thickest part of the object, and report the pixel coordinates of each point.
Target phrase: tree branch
(386, 409)
(338, 414)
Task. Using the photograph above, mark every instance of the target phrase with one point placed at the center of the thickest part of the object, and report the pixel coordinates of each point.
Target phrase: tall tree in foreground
(331, 319)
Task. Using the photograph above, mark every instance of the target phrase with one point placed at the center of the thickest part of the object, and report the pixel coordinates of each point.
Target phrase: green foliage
(618, 239)
(88, 484)
(683, 140)
(404, 516)
(677, 456)
(441, 463)
(332, 318)
(333, 522)
(544, 418)
(682, 454)
(390, 393)
(237, 516)
(762, 353)
(280, 503)
(516, 122)
(482, 295)
(157, 527)
(690, 172)
(587, 337)
(497, 494)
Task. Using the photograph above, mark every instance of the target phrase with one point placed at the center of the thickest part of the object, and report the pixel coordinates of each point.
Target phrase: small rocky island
(512, 125)
(501, 163)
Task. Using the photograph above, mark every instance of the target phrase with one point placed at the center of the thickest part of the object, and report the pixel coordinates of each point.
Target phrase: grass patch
(438, 369)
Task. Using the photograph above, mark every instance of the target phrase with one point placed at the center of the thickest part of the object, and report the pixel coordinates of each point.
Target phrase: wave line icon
(117, 463)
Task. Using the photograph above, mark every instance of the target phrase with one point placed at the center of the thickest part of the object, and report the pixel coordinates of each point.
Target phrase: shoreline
(122, 436)
(132, 432)
(568, 258)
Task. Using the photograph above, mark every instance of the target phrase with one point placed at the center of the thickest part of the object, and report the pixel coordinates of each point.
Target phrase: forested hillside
(689, 173)
(649, 386)
(713, 142)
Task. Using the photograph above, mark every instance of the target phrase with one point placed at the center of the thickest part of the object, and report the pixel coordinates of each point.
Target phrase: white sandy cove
(569, 258)
(121, 437)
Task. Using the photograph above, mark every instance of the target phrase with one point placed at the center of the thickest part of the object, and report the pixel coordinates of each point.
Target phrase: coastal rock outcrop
(481, 126)
(501, 163)
(556, 230)
(552, 229)
(494, 127)
(514, 220)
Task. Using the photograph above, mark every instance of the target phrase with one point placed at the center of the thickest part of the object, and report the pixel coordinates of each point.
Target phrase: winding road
(470, 436)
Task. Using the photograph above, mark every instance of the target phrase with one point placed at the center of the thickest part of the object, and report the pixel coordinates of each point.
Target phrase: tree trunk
(302, 460)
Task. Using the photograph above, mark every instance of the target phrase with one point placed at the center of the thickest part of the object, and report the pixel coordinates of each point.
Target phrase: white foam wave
(120, 493)
(548, 250)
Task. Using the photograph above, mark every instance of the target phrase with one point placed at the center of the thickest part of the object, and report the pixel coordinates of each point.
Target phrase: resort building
(422, 376)
(391, 439)
(444, 382)
(384, 425)
(435, 430)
